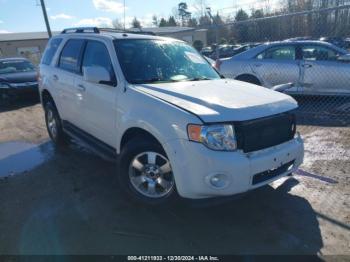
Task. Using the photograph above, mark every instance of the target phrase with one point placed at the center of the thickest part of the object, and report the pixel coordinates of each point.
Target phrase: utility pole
(45, 17)
(216, 32)
(124, 15)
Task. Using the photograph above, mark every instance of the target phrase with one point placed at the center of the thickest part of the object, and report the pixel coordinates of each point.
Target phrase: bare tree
(117, 24)
(155, 20)
(200, 7)
(183, 12)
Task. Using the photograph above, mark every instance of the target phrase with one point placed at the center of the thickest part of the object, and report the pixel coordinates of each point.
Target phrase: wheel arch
(46, 97)
(246, 76)
(137, 132)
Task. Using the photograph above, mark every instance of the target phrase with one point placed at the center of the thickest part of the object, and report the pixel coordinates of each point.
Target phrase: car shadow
(18, 103)
(70, 204)
(326, 111)
(265, 221)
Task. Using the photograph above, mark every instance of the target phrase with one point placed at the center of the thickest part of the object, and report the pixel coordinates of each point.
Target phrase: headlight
(219, 137)
(4, 85)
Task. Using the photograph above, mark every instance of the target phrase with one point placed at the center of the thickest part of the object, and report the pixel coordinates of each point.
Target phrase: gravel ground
(65, 202)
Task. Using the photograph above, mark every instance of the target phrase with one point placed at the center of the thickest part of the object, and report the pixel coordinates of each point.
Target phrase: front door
(323, 73)
(99, 100)
(278, 65)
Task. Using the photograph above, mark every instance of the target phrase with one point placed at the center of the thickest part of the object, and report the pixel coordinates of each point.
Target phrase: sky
(26, 15)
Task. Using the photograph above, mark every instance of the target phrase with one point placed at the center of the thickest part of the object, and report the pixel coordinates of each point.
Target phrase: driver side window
(96, 55)
(318, 53)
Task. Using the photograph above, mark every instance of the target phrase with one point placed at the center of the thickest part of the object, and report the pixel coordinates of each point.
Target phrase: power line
(250, 4)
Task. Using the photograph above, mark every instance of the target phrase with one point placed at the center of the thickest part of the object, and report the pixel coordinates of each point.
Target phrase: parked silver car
(313, 67)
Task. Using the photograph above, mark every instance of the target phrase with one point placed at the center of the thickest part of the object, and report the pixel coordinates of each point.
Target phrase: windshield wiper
(151, 80)
(146, 81)
(157, 79)
(199, 79)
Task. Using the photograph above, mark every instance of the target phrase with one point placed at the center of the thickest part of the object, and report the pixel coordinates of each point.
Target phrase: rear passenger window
(279, 53)
(50, 50)
(70, 55)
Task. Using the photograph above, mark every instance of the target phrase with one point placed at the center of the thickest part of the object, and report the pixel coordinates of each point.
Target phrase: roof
(255, 51)
(164, 30)
(25, 36)
(111, 35)
(307, 42)
(83, 32)
(130, 36)
(43, 35)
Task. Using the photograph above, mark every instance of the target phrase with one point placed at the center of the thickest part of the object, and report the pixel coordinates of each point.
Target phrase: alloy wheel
(51, 123)
(151, 175)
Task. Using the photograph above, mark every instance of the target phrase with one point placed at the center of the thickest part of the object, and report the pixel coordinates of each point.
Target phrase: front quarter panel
(164, 121)
(234, 68)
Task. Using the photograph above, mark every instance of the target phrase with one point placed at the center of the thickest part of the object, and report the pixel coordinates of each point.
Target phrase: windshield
(149, 61)
(15, 66)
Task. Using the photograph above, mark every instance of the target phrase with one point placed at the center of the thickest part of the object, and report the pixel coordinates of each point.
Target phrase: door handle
(257, 65)
(81, 87)
(55, 77)
(307, 65)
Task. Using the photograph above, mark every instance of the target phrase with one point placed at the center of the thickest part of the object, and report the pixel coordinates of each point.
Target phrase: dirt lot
(65, 202)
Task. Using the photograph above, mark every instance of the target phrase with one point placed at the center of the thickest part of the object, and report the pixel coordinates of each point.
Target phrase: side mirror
(283, 87)
(344, 58)
(97, 75)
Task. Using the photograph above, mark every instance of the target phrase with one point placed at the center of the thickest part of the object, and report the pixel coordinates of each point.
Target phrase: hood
(222, 100)
(21, 77)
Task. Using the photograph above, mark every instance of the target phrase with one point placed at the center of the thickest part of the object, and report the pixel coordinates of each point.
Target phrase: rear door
(98, 100)
(278, 65)
(65, 79)
(48, 71)
(323, 73)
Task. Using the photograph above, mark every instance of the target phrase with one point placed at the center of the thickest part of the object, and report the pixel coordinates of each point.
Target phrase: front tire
(54, 125)
(145, 173)
(249, 79)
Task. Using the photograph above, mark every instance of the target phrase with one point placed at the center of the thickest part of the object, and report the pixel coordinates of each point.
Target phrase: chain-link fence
(309, 51)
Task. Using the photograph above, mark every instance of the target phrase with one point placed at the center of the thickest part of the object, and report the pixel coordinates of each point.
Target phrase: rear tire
(145, 174)
(54, 125)
(249, 79)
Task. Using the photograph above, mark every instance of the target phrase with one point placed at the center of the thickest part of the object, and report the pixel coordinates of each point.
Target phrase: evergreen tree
(171, 21)
(135, 23)
(163, 23)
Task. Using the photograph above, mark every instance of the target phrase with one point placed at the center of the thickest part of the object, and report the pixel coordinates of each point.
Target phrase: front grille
(254, 135)
(24, 84)
(269, 174)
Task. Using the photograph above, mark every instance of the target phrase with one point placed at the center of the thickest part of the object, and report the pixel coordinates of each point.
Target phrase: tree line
(271, 25)
(315, 24)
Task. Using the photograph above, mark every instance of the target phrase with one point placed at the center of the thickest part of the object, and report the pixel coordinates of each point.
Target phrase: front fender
(234, 68)
(164, 121)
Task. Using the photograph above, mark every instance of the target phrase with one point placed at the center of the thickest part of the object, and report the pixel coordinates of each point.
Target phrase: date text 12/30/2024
(173, 258)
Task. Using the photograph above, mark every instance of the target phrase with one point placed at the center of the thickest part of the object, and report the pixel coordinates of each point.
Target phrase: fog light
(218, 180)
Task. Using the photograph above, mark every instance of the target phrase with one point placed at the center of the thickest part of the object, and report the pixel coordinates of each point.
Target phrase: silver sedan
(311, 67)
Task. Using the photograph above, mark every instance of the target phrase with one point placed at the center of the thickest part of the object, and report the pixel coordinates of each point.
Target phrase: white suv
(173, 123)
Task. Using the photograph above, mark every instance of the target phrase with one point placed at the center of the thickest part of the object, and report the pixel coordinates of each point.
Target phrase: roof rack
(115, 30)
(81, 30)
(97, 30)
